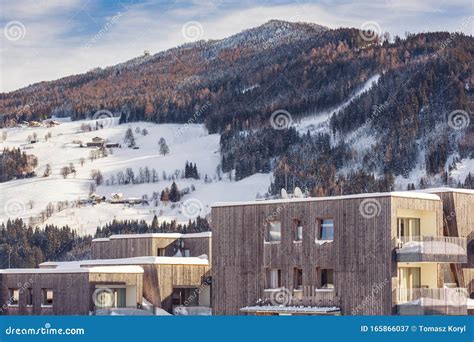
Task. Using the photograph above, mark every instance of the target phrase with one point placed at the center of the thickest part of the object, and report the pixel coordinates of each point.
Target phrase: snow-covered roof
(156, 235)
(75, 269)
(146, 260)
(101, 239)
(405, 194)
(291, 309)
(438, 190)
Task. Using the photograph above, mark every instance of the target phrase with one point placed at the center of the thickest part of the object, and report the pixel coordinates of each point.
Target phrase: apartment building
(370, 254)
(164, 273)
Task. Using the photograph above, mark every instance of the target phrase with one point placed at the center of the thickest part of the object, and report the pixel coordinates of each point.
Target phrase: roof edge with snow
(100, 269)
(441, 189)
(156, 235)
(404, 194)
(147, 260)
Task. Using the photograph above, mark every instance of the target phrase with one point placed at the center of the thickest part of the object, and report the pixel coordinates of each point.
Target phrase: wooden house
(70, 290)
(96, 142)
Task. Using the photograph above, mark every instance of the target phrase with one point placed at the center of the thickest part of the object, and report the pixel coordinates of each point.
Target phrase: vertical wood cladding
(72, 292)
(117, 248)
(360, 254)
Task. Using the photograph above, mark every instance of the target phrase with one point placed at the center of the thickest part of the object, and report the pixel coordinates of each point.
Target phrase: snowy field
(28, 197)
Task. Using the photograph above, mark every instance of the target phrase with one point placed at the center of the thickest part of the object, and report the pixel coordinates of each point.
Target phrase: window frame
(268, 230)
(44, 297)
(319, 230)
(11, 296)
(297, 278)
(321, 285)
(269, 285)
(29, 297)
(296, 225)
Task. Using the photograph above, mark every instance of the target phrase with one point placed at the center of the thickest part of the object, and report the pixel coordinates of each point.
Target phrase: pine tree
(174, 195)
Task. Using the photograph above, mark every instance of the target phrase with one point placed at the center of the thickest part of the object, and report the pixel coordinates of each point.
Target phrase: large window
(326, 230)
(111, 297)
(408, 227)
(274, 231)
(185, 296)
(14, 296)
(47, 297)
(297, 278)
(298, 230)
(273, 278)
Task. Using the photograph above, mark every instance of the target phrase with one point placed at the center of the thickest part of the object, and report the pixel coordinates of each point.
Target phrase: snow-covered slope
(29, 197)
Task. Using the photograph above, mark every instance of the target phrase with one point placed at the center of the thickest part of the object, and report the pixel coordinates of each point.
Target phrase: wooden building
(370, 254)
(70, 291)
(173, 284)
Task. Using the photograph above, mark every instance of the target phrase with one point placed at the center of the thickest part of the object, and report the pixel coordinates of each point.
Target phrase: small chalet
(96, 142)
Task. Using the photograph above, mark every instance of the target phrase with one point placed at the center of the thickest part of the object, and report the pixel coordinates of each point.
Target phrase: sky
(44, 40)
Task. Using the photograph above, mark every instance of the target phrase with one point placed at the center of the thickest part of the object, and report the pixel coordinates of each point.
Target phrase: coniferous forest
(22, 246)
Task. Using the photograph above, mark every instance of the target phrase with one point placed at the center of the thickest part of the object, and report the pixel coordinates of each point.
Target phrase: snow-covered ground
(28, 197)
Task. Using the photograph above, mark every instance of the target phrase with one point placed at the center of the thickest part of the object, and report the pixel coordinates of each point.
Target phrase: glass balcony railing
(430, 301)
(431, 248)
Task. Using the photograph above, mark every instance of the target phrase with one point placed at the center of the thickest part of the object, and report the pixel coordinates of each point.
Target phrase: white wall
(428, 222)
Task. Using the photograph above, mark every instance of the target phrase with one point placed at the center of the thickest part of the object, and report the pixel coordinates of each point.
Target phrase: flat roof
(404, 194)
(156, 235)
(72, 269)
(441, 189)
(146, 260)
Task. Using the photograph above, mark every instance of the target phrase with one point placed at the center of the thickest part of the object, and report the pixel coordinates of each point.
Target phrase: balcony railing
(431, 248)
(430, 301)
(303, 296)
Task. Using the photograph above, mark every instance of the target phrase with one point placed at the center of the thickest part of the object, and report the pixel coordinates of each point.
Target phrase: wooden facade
(159, 280)
(361, 253)
(73, 291)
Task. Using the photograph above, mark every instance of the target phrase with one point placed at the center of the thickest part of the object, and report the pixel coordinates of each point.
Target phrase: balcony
(431, 249)
(430, 301)
(303, 296)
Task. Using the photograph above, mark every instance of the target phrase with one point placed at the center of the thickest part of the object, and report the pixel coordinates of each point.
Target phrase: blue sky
(49, 39)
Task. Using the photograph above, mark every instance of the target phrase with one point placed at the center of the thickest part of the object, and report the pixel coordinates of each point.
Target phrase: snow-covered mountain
(394, 113)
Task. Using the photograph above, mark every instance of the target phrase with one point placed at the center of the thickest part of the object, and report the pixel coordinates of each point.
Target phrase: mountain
(385, 111)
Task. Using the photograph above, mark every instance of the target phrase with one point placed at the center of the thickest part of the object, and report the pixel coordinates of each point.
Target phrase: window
(408, 227)
(161, 252)
(274, 231)
(273, 278)
(47, 297)
(297, 278)
(298, 230)
(186, 252)
(110, 297)
(326, 230)
(185, 296)
(327, 278)
(29, 297)
(14, 296)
